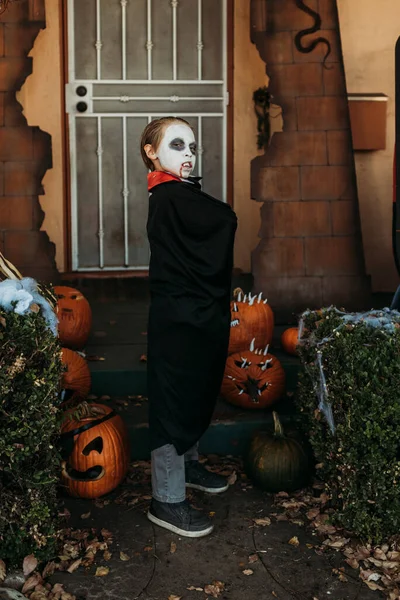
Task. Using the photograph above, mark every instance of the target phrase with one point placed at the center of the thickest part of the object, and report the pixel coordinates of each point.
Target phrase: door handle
(81, 107)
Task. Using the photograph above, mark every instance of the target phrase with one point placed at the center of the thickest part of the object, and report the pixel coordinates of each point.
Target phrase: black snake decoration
(316, 27)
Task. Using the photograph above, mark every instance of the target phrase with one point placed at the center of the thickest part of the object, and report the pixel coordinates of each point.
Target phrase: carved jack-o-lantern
(253, 379)
(251, 318)
(95, 449)
(76, 380)
(74, 316)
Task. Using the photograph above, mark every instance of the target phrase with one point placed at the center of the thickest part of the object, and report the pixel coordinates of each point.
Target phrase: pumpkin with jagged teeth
(251, 317)
(253, 379)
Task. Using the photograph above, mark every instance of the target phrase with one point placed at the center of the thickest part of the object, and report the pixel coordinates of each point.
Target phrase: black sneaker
(199, 478)
(180, 517)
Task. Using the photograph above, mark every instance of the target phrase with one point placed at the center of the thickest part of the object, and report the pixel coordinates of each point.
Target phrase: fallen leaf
(102, 571)
(143, 358)
(314, 512)
(232, 478)
(32, 582)
(211, 513)
(263, 522)
(39, 595)
(106, 534)
(373, 586)
(294, 541)
(253, 558)
(353, 563)
(86, 515)
(336, 543)
(107, 555)
(191, 588)
(105, 397)
(147, 548)
(123, 556)
(29, 565)
(174, 597)
(248, 572)
(3, 570)
(49, 569)
(215, 589)
(94, 357)
(73, 567)
(172, 548)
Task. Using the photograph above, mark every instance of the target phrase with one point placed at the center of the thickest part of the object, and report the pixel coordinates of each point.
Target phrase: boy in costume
(191, 237)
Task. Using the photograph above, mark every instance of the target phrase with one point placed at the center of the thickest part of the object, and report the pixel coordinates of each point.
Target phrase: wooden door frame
(69, 274)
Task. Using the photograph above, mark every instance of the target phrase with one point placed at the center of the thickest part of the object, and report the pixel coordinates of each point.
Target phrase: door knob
(81, 107)
(81, 90)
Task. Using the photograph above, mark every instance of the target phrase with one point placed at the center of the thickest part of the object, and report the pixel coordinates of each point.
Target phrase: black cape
(191, 237)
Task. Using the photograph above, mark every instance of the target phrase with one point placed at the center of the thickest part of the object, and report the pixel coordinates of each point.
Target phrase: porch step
(229, 433)
(122, 373)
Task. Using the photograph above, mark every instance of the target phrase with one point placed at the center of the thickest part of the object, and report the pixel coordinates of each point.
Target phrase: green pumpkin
(276, 462)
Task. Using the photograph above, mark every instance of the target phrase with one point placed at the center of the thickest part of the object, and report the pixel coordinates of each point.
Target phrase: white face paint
(177, 150)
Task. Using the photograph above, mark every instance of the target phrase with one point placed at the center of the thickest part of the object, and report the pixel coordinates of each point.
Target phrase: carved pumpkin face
(76, 380)
(251, 318)
(95, 447)
(74, 316)
(253, 379)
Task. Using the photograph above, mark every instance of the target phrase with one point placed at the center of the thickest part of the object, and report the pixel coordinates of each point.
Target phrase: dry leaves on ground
(123, 556)
(172, 548)
(378, 566)
(3, 570)
(29, 565)
(102, 571)
(264, 522)
(192, 588)
(247, 572)
(214, 589)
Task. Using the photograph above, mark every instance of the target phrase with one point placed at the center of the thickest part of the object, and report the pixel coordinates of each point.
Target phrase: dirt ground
(245, 558)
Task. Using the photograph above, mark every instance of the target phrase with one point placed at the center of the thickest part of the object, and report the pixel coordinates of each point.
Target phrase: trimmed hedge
(360, 461)
(30, 374)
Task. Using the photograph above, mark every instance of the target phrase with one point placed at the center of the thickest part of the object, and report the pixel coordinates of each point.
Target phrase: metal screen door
(131, 61)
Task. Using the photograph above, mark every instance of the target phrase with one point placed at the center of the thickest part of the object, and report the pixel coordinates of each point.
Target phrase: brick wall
(310, 253)
(25, 152)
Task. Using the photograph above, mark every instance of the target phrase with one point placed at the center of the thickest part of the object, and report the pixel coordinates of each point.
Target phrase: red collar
(156, 177)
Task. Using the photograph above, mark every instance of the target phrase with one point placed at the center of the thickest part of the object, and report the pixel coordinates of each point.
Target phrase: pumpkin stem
(278, 426)
(236, 293)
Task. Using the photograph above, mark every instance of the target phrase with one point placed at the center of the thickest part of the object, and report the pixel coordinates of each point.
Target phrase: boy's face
(177, 150)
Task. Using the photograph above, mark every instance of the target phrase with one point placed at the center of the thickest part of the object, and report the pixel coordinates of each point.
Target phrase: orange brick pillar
(310, 253)
(25, 152)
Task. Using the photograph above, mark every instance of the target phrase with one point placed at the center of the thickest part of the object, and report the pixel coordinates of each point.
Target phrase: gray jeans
(168, 473)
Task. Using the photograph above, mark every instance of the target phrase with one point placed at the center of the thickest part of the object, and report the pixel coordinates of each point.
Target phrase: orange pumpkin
(76, 380)
(251, 318)
(74, 317)
(289, 340)
(253, 379)
(95, 449)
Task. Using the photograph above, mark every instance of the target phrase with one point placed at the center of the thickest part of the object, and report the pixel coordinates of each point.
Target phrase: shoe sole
(174, 529)
(194, 486)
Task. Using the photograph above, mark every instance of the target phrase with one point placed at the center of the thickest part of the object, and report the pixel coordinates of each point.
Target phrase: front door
(131, 61)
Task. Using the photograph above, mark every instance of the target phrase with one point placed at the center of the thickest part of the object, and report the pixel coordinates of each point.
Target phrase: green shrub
(30, 372)
(360, 460)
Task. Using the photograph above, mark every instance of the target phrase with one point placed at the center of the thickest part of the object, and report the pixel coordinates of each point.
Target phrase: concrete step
(229, 433)
(122, 373)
